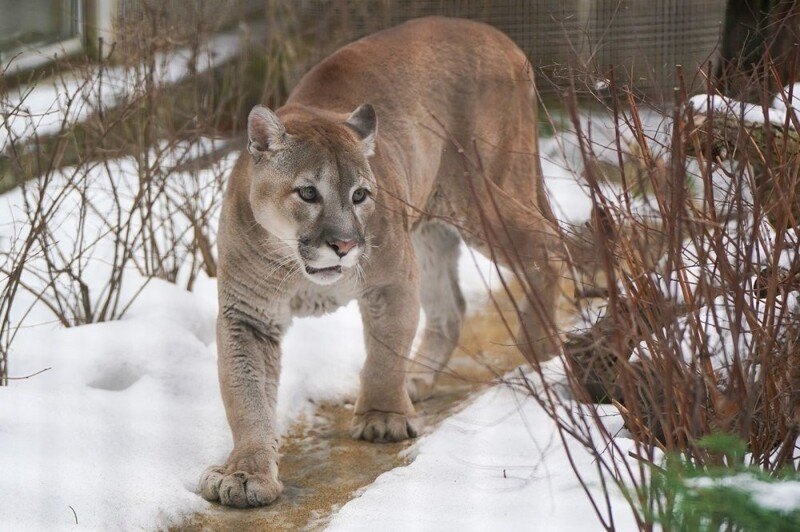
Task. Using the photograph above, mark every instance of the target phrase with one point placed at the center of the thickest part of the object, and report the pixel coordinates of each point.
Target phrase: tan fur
(453, 155)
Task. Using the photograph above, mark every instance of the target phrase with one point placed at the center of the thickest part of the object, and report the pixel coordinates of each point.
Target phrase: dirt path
(321, 466)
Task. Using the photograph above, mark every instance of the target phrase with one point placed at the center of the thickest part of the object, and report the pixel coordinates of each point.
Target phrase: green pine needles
(728, 495)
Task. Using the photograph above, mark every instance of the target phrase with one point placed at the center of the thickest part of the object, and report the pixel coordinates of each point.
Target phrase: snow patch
(497, 465)
(780, 496)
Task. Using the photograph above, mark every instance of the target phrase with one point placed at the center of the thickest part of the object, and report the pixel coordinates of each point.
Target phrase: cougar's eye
(360, 195)
(308, 194)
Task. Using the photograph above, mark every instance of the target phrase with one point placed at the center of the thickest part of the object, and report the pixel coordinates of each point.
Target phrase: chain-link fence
(567, 40)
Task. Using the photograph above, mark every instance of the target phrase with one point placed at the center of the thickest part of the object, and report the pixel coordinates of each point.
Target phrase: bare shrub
(691, 268)
(120, 180)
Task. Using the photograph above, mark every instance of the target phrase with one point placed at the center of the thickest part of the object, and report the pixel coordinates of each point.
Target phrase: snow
(572, 202)
(779, 113)
(747, 112)
(97, 431)
(781, 496)
(788, 98)
(497, 465)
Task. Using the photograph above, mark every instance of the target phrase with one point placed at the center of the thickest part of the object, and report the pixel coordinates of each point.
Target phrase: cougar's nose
(342, 247)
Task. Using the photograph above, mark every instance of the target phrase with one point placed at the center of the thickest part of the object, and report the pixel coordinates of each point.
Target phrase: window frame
(32, 56)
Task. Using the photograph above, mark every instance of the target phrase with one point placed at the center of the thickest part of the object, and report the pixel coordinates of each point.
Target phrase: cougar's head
(312, 186)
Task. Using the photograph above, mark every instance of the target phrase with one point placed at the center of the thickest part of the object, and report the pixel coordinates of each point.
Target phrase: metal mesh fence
(568, 40)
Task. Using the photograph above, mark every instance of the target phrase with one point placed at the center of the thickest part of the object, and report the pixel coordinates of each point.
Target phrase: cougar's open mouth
(331, 269)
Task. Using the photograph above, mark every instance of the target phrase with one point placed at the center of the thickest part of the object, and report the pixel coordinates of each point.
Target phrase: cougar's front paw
(248, 479)
(377, 426)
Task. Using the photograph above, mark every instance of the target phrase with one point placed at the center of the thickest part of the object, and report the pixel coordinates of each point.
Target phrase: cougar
(385, 156)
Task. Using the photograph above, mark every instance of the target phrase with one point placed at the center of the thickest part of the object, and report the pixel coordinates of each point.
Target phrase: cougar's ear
(364, 122)
(265, 131)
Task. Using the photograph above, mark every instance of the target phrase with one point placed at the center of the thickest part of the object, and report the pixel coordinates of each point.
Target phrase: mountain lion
(385, 156)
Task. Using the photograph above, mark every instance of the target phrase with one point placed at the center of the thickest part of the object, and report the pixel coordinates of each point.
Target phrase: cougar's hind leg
(537, 337)
(524, 252)
(437, 247)
(525, 240)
